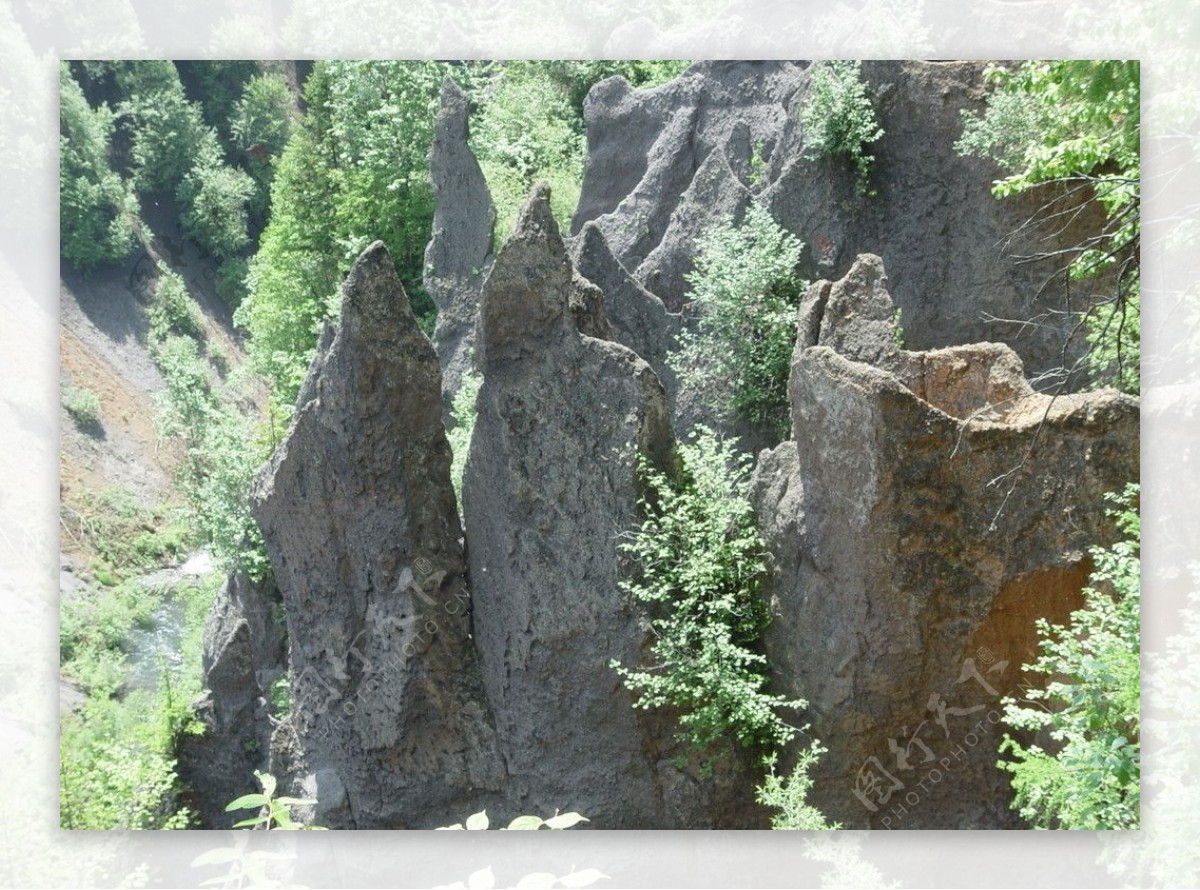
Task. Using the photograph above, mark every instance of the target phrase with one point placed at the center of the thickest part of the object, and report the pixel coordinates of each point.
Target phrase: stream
(158, 648)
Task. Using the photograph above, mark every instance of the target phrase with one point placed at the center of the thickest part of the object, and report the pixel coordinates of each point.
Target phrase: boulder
(360, 522)
(460, 251)
(551, 483)
(920, 520)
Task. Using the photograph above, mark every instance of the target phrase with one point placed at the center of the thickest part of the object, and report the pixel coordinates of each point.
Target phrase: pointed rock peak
(526, 298)
(858, 316)
(455, 109)
(373, 292)
(536, 219)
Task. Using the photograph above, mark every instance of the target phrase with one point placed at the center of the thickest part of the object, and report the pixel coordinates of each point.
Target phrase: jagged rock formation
(920, 519)
(664, 164)
(928, 507)
(551, 482)
(639, 319)
(459, 254)
(359, 518)
(245, 651)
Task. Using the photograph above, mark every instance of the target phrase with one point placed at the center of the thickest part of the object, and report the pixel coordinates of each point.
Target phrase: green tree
(744, 295)
(98, 212)
(1074, 126)
(167, 131)
(1090, 706)
(294, 276)
(213, 199)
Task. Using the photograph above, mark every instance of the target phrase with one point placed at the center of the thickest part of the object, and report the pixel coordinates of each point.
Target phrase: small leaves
(701, 571)
(838, 117)
(525, 823)
(477, 822)
(566, 820)
(247, 802)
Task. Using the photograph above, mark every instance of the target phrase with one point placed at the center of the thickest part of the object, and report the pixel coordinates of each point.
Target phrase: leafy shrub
(222, 452)
(117, 752)
(272, 812)
(213, 199)
(172, 310)
(744, 295)
(838, 117)
(83, 405)
(463, 413)
(701, 572)
(1090, 706)
(517, 148)
(231, 280)
(116, 770)
(97, 211)
(789, 794)
(120, 533)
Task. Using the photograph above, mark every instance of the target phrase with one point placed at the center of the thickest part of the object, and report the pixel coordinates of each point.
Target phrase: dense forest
(230, 213)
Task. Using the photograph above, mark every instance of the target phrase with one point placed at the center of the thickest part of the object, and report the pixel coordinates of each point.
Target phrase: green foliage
(216, 84)
(1090, 706)
(517, 148)
(701, 573)
(122, 535)
(1114, 336)
(231, 280)
(97, 211)
(273, 813)
(222, 452)
(173, 312)
(354, 172)
(83, 405)
(745, 292)
(295, 272)
(789, 794)
(480, 822)
(463, 413)
(838, 117)
(116, 769)
(263, 115)
(212, 200)
(99, 621)
(578, 76)
(529, 128)
(376, 123)
(1077, 123)
(281, 697)
(167, 131)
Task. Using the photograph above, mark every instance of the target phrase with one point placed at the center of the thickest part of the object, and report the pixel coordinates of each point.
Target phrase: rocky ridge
(928, 506)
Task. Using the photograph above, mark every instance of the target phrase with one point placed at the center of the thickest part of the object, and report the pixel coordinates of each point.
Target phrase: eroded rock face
(918, 521)
(551, 482)
(244, 653)
(358, 513)
(638, 319)
(647, 152)
(460, 252)
(948, 243)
